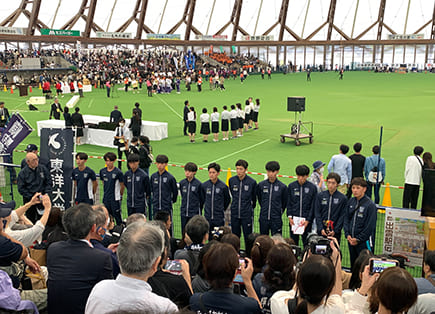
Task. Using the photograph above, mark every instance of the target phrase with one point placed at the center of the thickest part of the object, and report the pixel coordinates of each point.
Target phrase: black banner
(57, 146)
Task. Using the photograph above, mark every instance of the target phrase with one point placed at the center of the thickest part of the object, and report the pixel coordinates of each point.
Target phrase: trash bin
(23, 89)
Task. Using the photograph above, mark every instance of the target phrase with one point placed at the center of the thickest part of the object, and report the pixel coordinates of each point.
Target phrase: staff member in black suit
(185, 119)
(77, 120)
(75, 266)
(4, 115)
(67, 118)
(56, 109)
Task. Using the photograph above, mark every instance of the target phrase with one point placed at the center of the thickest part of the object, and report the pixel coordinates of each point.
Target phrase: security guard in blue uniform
(243, 191)
(190, 190)
(360, 220)
(216, 197)
(302, 194)
(329, 208)
(272, 196)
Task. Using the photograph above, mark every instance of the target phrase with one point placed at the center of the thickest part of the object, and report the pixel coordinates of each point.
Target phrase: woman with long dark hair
(135, 123)
(77, 121)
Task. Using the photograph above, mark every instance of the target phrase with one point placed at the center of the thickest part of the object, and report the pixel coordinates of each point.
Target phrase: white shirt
(126, 294)
(248, 109)
(256, 108)
(277, 301)
(205, 117)
(25, 236)
(191, 116)
(334, 305)
(233, 114)
(215, 117)
(225, 115)
(413, 169)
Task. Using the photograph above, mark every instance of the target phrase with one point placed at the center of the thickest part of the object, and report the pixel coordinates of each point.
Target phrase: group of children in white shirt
(235, 120)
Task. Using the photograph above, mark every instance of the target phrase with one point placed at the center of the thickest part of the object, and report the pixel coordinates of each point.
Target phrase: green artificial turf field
(343, 112)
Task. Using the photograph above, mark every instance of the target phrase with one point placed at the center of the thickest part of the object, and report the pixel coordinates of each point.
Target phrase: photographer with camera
(359, 220)
(329, 208)
(318, 285)
(220, 264)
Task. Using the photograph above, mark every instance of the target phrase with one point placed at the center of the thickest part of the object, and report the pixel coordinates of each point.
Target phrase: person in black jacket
(67, 118)
(77, 120)
(135, 123)
(56, 109)
(185, 119)
(4, 115)
(144, 154)
(360, 220)
(32, 179)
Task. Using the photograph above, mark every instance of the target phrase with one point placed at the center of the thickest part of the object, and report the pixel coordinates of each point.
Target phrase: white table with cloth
(155, 131)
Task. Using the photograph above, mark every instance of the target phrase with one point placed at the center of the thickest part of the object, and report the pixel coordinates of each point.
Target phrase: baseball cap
(31, 148)
(6, 208)
(318, 164)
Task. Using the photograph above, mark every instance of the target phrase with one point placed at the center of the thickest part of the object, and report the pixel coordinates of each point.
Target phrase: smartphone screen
(321, 249)
(173, 266)
(378, 265)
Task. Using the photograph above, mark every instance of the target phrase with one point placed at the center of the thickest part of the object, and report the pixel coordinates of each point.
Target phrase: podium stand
(23, 89)
(429, 233)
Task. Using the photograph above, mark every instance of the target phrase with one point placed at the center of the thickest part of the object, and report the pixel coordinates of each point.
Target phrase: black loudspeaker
(295, 103)
(428, 203)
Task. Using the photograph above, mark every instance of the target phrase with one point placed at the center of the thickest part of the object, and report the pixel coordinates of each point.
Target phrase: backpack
(375, 176)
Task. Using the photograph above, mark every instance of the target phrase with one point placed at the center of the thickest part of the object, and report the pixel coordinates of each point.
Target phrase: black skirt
(79, 132)
(240, 122)
(255, 116)
(224, 125)
(247, 118)
(234, 124)
(214, 127)
(192, 127)
(205, 128)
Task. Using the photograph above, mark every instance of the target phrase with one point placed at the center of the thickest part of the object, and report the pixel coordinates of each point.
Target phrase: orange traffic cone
(95, 85)
(30, 89)
(228, 176)
(386, 201)
(12, 90)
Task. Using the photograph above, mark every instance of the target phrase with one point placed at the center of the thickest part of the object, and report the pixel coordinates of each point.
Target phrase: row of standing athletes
(235, 120)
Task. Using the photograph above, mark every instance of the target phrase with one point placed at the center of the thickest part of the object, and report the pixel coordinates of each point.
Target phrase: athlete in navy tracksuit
(85, 181)
(329, 208)
(138, 186)
(272, 196)
(190, 189)
(113, 182)
(302, 194)
(163, 187)
(360, 220)
(243, 191)
(216, 197)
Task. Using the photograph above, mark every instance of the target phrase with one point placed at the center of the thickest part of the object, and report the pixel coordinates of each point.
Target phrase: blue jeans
(376, 187)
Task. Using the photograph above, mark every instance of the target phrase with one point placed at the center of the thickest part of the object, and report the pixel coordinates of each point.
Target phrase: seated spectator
(10, 298)
(139, 254)
(135, 217)
(278, 274)
(197, 229)
(54, 220)
(232, 239)
(98, 235)
(74, 266)
(318, 287)
(176, 288)
(358, 269)
(427, 284)
(199, 282)
(259, 252)
(29, 235)
(395, 291)
(164, 217)
(220, 264)
(249, 243)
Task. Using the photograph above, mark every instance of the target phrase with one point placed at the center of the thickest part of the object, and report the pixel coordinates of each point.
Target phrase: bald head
(32, 160)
